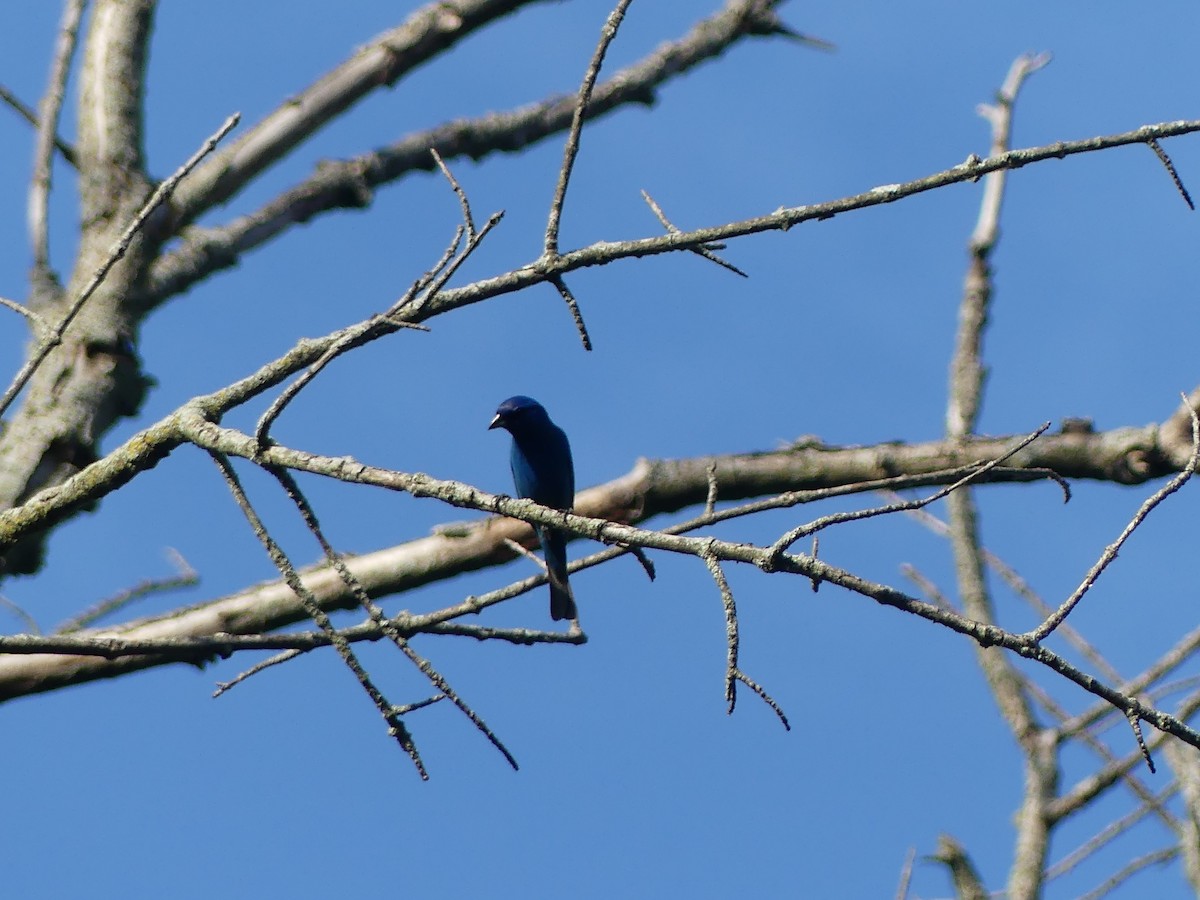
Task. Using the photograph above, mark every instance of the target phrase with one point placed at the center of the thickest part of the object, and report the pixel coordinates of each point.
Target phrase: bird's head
(517, 412)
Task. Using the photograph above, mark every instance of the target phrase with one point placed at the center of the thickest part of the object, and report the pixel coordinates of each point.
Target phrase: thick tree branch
(430, 31)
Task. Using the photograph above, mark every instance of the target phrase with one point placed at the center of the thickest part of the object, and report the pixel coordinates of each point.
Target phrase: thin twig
(783, 543)
(731, 629)
(1170, 167)
(47, 126)
(277, 659)
(41, 326)
(186, 577)
(468, 219)
(571, 150)
(21, 613)
(419, 704)
(707, 252)
(765, 697)
(1110, 552)
(573, 306)
(1107, 834)
(1139, 864)
(710, 502)
(733, 671)
(646, 563)
(1136, 726)
(29, 114)
(906, 874)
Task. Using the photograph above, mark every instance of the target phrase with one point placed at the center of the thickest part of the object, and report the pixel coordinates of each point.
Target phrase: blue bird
(542, 472)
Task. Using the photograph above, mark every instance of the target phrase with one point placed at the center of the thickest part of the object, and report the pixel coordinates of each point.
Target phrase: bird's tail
(562, 599)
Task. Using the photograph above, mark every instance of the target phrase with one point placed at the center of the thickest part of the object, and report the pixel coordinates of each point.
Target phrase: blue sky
(634, 782)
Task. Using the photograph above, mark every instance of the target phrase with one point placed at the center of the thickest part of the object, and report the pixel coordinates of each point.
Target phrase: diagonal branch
(29, 114)
(607, 35)
(349, 184)
(292, 489)
(1056, 618)
(396, 727)
(430, 31)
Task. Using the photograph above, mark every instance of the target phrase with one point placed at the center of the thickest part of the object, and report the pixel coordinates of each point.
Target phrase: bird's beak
(495, 423)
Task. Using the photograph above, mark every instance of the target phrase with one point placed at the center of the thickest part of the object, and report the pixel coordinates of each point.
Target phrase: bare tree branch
(396, 727)
(431, 30)
(49, 341)
(607, 35)
(965, 397)
(92, 378)
(349, 184)
(47, 128)
(1110, 552)
(1185, 762)
(967, 883)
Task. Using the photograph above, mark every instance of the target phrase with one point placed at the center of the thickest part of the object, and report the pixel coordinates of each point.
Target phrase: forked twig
(733, 671)
(40, 325)
(417, 295)
(705, 251)
(292, 489)
(396, 727)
